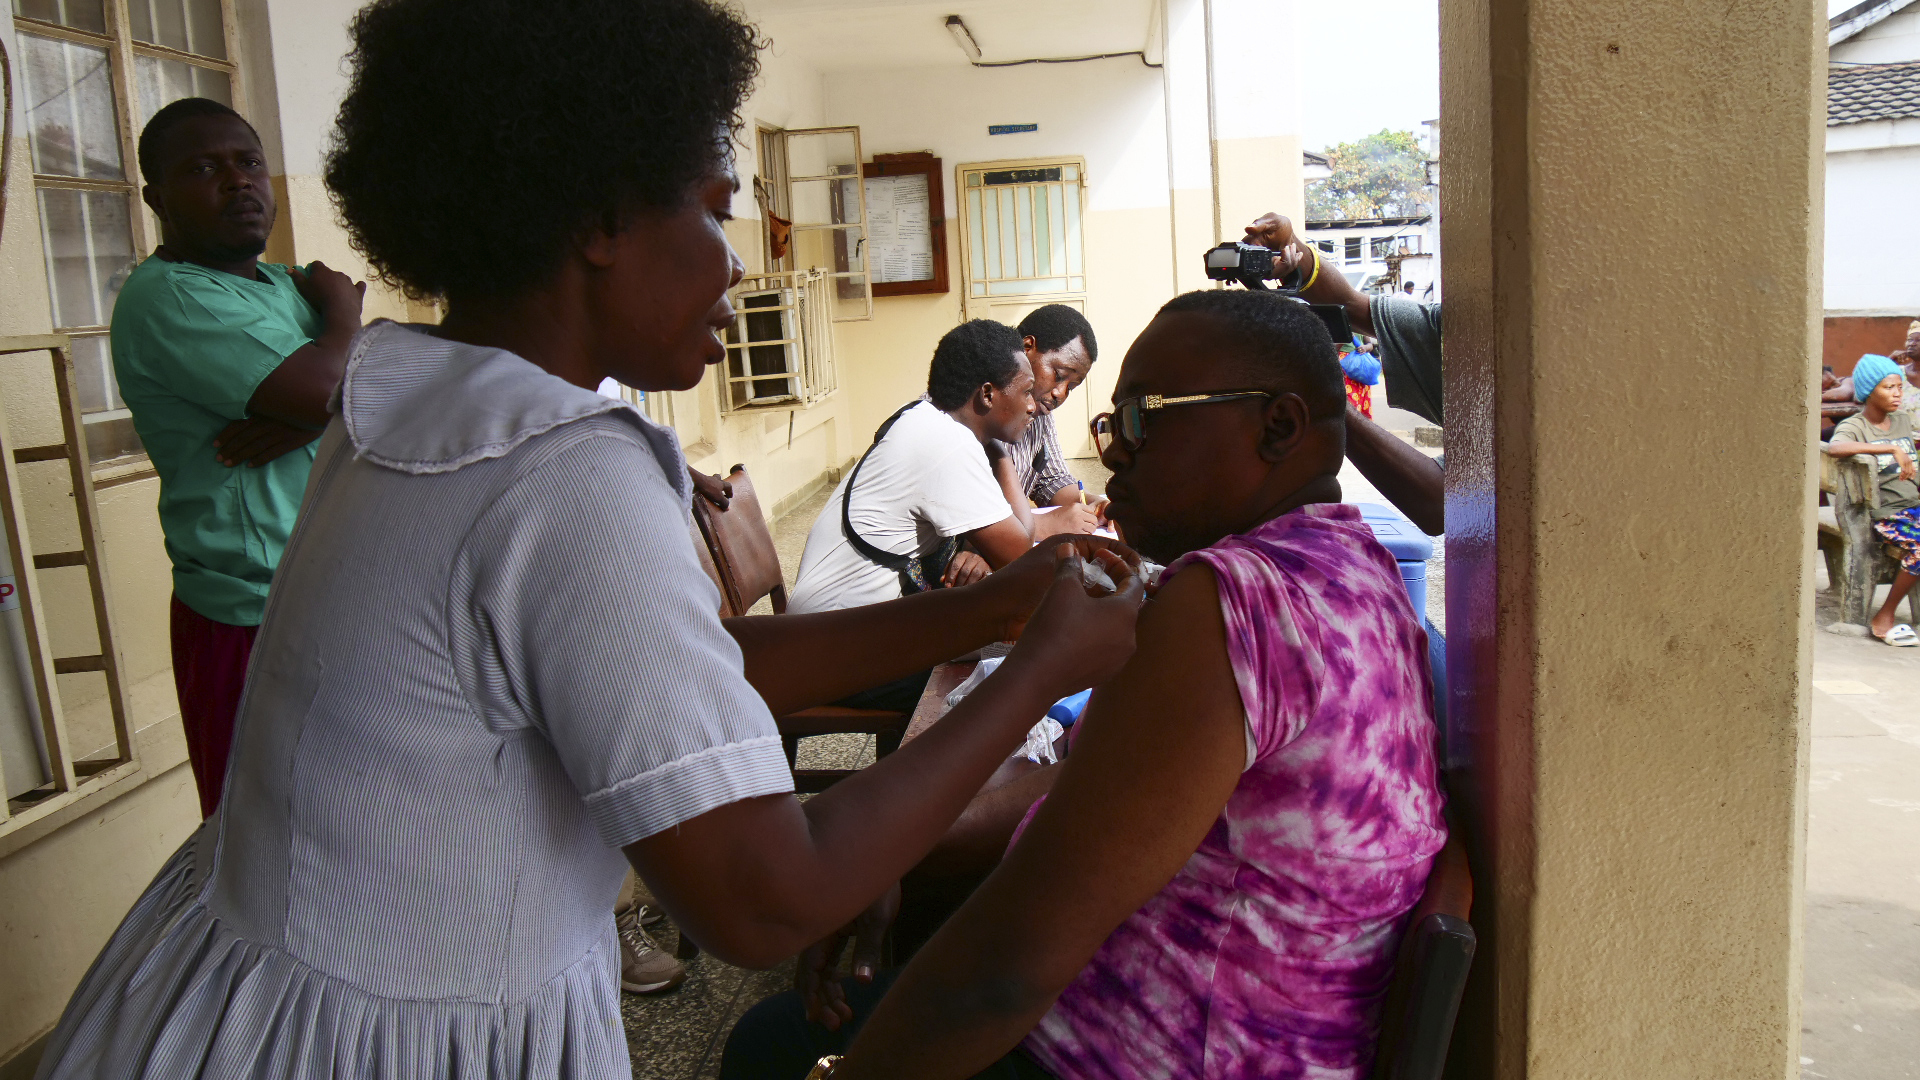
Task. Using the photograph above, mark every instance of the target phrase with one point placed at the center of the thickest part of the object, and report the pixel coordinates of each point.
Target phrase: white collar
(417, 403)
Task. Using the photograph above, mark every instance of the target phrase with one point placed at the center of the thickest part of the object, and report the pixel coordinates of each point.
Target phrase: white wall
(1891, 40)
(309, 49)
(1107, 111)
(1110, 112)
(1872, 232)
(1873, 173)
(1421, 271)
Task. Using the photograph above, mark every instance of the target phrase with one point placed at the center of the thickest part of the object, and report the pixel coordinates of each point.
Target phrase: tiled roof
(1857, 93)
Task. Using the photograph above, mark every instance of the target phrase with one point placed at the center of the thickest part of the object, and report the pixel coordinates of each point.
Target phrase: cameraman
(1409, 336)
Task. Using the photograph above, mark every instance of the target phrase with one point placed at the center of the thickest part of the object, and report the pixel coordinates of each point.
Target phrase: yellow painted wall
(318, 236)
(1629, 612)
(883, 363)
(1258, 175)
(64, 896)
(63, 893)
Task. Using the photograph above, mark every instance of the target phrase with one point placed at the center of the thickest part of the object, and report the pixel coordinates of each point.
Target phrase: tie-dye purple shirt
(1268, 953)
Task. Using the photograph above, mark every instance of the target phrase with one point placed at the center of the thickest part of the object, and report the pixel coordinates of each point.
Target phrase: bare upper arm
(1002, 542)
(1162, 749)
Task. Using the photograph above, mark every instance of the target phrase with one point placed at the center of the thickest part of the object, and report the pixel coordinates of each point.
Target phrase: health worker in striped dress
(490, 675)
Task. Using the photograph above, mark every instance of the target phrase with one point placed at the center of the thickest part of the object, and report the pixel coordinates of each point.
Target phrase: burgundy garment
(209, 671)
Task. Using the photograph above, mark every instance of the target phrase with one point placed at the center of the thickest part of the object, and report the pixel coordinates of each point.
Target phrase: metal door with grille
(1024, 239)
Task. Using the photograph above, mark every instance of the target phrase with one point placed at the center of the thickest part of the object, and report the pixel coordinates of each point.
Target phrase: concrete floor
(1861, 1010)
(1860, 1015)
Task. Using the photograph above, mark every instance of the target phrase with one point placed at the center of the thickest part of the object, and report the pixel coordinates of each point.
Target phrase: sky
(1378, 66)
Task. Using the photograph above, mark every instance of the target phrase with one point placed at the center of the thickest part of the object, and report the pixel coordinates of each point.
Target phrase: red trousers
(209, 671)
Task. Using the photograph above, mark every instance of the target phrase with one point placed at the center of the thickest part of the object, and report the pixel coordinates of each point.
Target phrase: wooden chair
(746, 566)
(1858, 560)
(1430, 975)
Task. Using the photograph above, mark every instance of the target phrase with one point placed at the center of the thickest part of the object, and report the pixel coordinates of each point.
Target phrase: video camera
(1253, 266)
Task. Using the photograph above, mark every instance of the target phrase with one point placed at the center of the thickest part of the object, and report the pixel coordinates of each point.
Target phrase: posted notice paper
(899, 237)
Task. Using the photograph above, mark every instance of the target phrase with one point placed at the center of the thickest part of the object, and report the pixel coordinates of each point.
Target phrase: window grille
(780, 346)
(1353, 250)
(93, 73)
(1023, 229)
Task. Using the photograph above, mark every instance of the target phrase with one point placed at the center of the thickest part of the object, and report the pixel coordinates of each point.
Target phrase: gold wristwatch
(823, 1068)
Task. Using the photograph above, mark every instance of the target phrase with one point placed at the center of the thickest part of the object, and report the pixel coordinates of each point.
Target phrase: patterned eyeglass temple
(1126, 424)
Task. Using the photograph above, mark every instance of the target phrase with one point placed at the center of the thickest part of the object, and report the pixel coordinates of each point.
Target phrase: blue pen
(1083, 491)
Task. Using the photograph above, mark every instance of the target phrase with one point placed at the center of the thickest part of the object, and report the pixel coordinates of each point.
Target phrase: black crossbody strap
(914, 573)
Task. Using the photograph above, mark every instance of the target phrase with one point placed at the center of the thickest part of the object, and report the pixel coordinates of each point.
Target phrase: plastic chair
(1430, 974)
(746, 566)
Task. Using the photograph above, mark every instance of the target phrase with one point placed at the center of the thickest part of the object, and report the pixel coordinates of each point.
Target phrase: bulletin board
(906, 224)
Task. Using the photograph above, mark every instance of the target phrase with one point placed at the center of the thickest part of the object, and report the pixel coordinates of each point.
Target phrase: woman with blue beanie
(1885, 432)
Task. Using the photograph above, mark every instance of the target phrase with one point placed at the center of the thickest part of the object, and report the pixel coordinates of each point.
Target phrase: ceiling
(838, 35)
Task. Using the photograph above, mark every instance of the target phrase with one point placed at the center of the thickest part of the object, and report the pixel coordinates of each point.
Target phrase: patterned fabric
(1038, 462)
(1903, 532)
(1268, 953)
(1361, 395)
(489, 660)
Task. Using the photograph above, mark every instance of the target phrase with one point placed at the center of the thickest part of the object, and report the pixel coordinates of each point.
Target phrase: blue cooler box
(1411, 549)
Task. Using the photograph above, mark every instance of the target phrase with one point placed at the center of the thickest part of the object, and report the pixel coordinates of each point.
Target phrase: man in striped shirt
(1061, 348)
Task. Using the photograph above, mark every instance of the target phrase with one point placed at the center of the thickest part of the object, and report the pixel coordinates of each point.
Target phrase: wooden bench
(1858, 560)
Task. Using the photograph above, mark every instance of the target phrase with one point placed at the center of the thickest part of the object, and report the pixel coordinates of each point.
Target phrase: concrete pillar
(1251, 144)
(1257, 113)
(1632, 233)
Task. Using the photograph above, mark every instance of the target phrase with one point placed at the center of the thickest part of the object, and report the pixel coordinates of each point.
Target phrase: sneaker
(650, 916)
(645, 967)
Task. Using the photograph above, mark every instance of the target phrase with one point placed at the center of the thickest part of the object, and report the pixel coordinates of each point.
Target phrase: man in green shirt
(228, 365)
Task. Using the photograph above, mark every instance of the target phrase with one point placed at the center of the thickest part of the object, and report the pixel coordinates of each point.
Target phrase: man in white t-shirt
(927, 480)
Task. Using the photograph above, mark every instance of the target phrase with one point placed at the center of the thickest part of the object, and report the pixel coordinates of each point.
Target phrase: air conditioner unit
(780, 347)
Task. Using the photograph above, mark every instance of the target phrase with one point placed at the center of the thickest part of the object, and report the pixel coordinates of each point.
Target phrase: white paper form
(899, 237)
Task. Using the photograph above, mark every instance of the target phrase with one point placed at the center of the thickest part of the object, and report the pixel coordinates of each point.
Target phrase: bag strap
(914, 572)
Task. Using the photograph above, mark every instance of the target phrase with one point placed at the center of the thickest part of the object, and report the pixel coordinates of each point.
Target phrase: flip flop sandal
(1902, 636)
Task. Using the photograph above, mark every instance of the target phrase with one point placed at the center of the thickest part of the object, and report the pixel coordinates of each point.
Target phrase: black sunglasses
(1126, 424)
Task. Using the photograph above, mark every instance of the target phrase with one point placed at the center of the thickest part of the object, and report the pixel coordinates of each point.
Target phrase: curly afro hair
(479, 138)
(970, 356)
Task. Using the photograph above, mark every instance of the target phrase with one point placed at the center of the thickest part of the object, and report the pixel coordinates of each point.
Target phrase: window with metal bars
(1023, 229)
(93, 72)
(780, 346)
